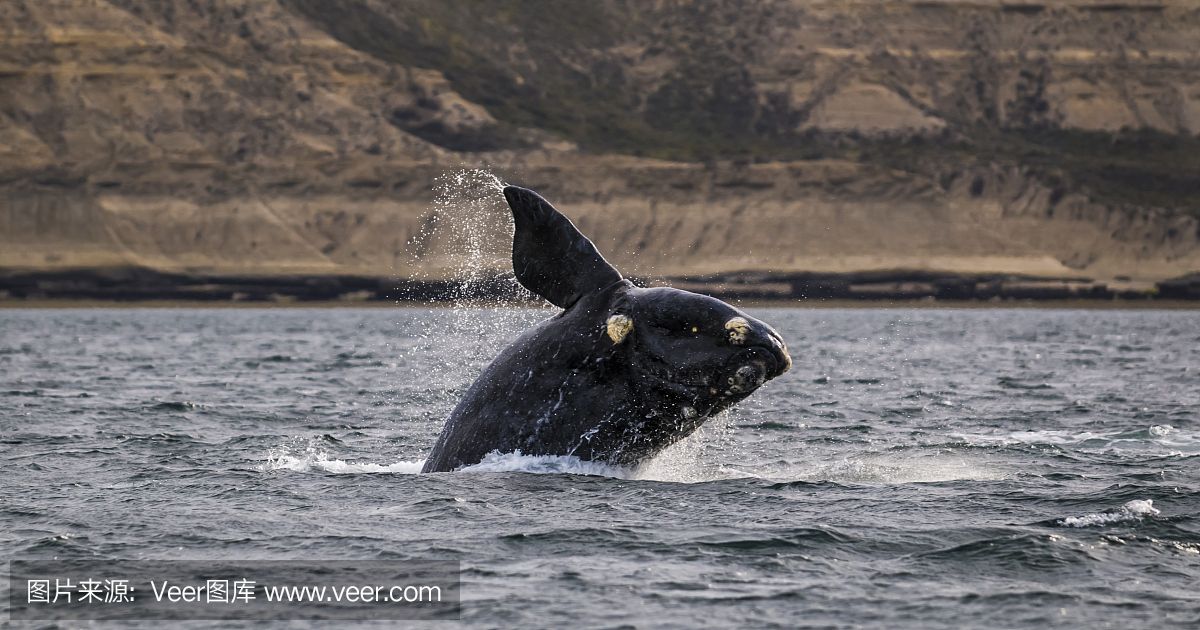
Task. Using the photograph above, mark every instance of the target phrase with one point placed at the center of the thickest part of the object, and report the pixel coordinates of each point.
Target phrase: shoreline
(922, 303)
(135, 285)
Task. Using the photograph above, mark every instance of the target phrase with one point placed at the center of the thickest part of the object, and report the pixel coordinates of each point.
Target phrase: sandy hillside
(1052, 139)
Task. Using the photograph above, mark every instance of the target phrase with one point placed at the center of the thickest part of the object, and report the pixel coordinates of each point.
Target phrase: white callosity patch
(618, 327)
(738, 329)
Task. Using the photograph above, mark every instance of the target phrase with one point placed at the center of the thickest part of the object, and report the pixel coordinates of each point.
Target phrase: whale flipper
(550, 256)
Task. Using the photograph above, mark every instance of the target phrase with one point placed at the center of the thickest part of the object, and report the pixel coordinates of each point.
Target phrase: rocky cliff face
(303, 136)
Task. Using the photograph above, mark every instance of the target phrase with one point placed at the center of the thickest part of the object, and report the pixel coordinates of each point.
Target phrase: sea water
(923, 468)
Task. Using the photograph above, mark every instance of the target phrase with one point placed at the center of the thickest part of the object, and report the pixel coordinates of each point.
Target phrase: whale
(619, 374)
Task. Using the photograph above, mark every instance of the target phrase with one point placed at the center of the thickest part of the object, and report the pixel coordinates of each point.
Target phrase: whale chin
(746, 371)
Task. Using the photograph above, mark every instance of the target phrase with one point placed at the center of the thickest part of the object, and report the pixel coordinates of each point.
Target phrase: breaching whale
(620, 374)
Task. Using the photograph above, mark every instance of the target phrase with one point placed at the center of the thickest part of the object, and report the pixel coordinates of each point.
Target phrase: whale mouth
(708, 390)
(747, 370)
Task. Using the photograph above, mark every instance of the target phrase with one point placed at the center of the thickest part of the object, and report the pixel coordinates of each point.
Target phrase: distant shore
(1117, 304)
(140, 286)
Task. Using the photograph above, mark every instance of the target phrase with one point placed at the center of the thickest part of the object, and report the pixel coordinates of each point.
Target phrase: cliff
(305, 137)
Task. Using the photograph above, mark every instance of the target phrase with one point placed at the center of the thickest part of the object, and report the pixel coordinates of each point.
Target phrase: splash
(465, 243)
(314, 458)
(466, 236)
(691, 460)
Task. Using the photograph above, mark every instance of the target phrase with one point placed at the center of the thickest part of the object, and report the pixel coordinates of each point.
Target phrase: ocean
(917, 468)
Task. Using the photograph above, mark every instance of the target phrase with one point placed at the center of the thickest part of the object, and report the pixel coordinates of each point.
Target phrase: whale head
(693, 354)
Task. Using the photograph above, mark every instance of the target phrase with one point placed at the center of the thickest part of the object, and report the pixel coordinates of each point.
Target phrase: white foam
(544, 464)
(677, 466)
(1160, 430)
(656, 469)
(1158, 436)
(683, 471)
(313, 459)
(316, 459)
(1133, 511)
(885, 469)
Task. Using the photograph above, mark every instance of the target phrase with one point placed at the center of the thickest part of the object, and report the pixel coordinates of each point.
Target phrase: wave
(312, 459)
(881, 469)
(1135, 510)
(885, 470)
(895, 470)
(1141, 440)
(316, 459)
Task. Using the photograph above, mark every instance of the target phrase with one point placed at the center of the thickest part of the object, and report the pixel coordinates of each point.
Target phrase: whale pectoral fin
(550, 256)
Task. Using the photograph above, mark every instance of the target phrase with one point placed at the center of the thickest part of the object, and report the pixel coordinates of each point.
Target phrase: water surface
(917, 468)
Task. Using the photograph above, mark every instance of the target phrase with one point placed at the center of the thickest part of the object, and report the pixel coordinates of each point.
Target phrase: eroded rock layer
(300, 138)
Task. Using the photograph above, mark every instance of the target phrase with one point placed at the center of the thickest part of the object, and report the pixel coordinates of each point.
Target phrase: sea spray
(463, 247)
(465, 244)
(466, 237)
(695, 458)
